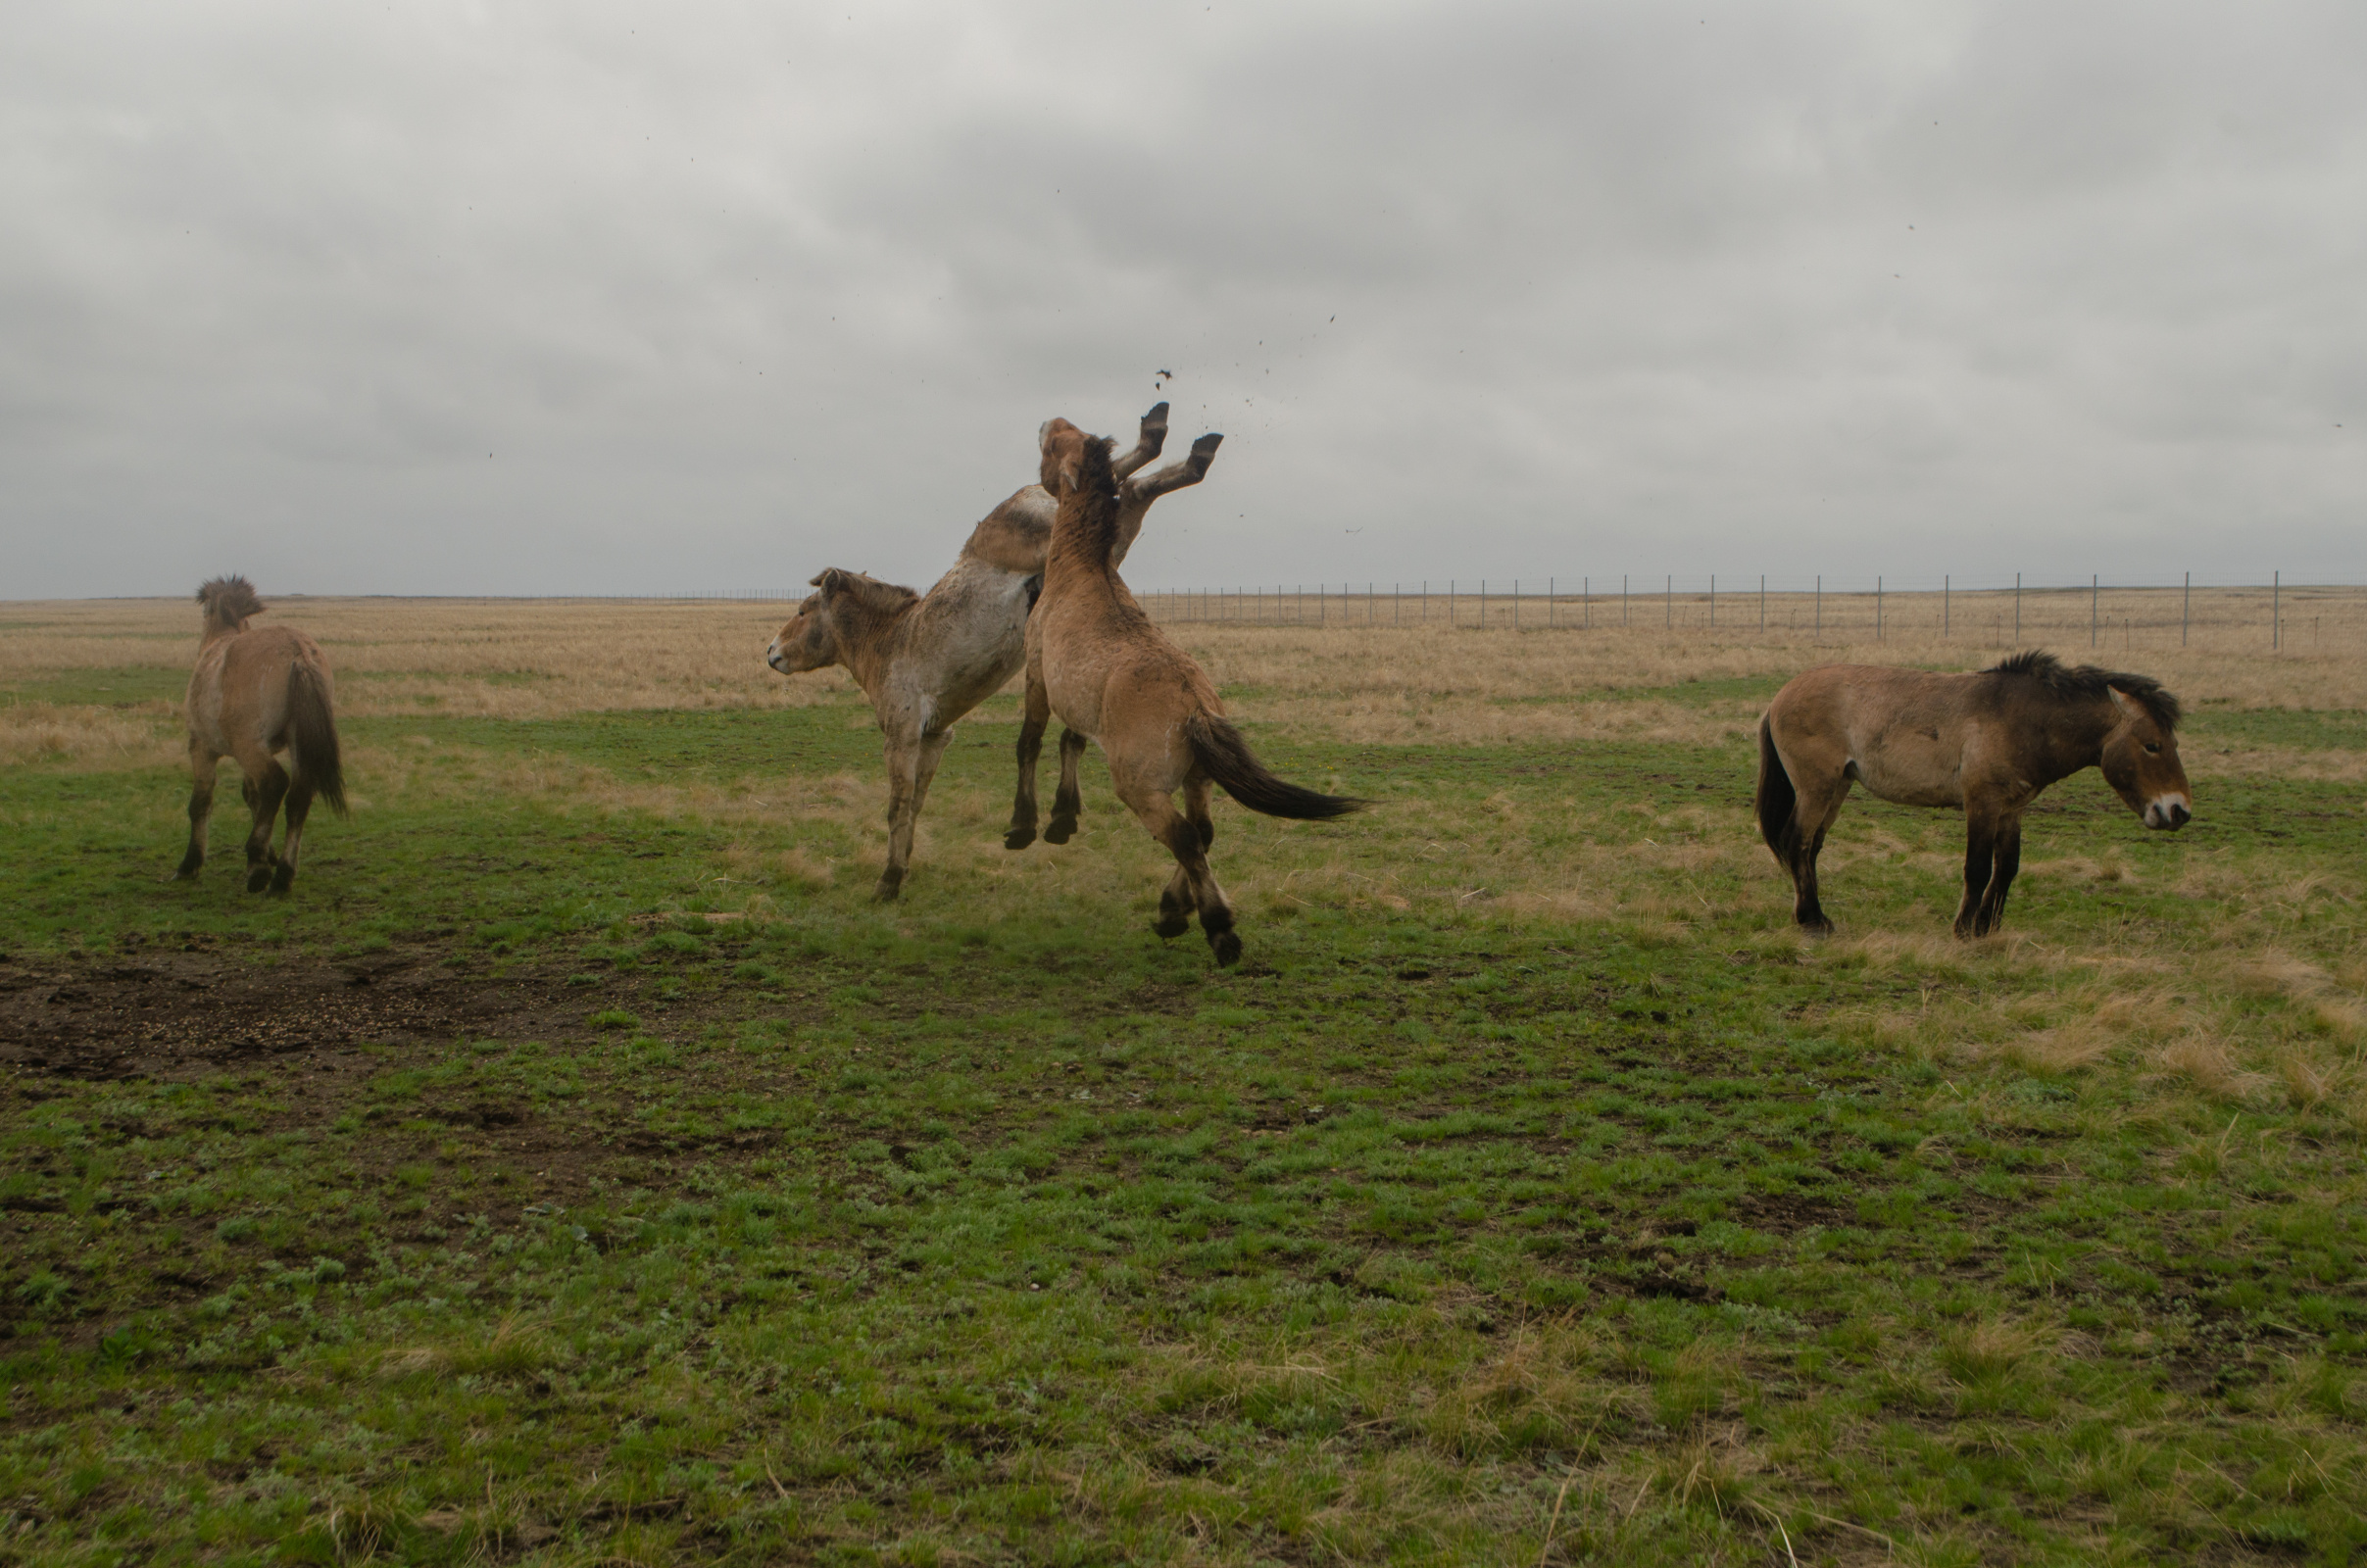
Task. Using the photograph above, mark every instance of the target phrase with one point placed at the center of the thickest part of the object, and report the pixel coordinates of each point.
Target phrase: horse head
(2140, 760)
(1064, 455)
(229, 604)
(837, 623)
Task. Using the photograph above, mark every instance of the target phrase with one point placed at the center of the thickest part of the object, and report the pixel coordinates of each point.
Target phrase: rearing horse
(1095, 660)
(1986, 740)
(926, 661)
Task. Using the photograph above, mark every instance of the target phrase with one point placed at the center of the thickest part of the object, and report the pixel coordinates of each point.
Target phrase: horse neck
(866, 646)
(2074, 737)
(217, 627)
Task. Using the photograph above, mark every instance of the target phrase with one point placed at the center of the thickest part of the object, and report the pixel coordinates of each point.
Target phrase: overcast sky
(526, 299)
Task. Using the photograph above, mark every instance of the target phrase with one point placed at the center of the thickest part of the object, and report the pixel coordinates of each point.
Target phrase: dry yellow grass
(508, 658)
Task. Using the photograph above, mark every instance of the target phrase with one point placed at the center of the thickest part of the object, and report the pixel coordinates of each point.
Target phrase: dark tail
(1219, 748)
(312, 731)
(1777, 801)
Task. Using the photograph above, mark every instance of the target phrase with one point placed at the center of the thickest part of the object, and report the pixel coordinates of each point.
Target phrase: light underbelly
(1910, 781)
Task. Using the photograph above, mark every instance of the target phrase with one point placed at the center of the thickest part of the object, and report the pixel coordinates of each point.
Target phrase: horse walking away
(1988, 741)
(926, 661)
(255, 692)
(1097, 661)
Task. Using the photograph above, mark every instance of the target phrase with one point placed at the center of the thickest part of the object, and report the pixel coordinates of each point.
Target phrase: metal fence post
(1820, 603)
(2276, 612)
(1878, 607)
(2096, 594)
(1762, 600)
(1943, 604)
(2185, 610)
(2017, 607)
(1714, 601)
(1668, 599)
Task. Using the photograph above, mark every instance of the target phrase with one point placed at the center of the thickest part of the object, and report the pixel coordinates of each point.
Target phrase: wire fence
(2094, 612)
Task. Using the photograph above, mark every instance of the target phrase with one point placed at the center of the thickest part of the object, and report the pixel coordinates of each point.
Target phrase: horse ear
(830, 580)
(2118, 701)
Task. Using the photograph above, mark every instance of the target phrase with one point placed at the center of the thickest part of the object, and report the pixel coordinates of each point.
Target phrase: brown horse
(924, 662)
(1096, 660)
(1987, 742)
(254, 693)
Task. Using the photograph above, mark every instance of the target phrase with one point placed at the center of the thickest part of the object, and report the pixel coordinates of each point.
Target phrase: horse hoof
(1227, 948)
(281, 878)
(1818, 927)
(1060, 830)
(1171, 926)
(258, 879)
(1018, 837)
(887, 891)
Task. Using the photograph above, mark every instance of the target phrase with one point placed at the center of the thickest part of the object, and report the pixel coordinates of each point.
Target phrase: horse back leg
(1068, 800)
(1035, 712)
(201, 766)
(266, 788)
(1812, 818)
(1194, 881)
(298, 805)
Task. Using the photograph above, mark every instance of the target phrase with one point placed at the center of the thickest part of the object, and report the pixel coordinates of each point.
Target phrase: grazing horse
(926, 663)
(1986, 740)
(254, 693)
(1096, 660)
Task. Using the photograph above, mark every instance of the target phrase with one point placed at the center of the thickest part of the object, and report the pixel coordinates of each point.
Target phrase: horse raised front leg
(1035, 712)
(201, 809)
(1147, 445)
(264, 793)
(1068, 800)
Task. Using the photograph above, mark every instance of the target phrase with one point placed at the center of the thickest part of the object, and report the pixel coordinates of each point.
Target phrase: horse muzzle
(772, 657)
(2169, 811)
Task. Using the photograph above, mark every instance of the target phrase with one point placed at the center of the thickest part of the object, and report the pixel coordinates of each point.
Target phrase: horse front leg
(1068, 800)
(1980, 859)
(201, 808)
(904, 808)
(264, 794)
(1035, 712)
(2009, 861)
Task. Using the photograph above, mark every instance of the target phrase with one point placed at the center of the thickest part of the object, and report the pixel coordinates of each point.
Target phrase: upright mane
(870, 598)
(1094, 501)
(2072, 683)
(229, 602)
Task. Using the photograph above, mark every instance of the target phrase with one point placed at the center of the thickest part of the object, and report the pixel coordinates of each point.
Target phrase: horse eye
(2151, 749)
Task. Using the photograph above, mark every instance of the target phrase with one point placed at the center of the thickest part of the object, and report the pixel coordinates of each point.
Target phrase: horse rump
(312, 735)
(1226, 758)
(1778, 802)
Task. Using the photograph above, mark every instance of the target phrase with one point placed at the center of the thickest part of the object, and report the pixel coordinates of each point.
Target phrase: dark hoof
(186, 872)
(1018, 837)
(888, 890)
(259, 877)
(1173, 925)
(1817, 926)
(1227, 948)
(1060, 830)
(281, 878)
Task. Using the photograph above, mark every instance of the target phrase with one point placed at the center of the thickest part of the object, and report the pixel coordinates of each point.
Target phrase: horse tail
(1778, 802)
(1219, 747)
(312, 731)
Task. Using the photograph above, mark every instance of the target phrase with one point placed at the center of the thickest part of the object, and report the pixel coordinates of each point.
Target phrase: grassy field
(578, 1168)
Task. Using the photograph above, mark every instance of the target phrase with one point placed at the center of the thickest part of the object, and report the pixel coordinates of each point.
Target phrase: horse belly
(1913, 776)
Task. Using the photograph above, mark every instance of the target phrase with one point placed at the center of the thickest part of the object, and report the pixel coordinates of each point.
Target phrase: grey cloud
(579, 298)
